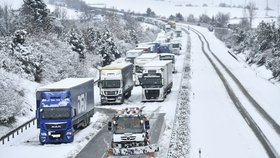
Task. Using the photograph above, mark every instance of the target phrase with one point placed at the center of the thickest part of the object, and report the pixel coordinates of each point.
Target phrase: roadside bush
(10, 98)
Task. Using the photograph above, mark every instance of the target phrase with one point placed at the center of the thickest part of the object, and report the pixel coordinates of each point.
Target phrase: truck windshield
(130, 59)
(164, 49)
(151, 80)
(176, 45)
(111, 84)
(55, 113)
(129, 125)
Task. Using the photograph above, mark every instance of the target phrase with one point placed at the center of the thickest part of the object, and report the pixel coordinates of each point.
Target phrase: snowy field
(160, 7)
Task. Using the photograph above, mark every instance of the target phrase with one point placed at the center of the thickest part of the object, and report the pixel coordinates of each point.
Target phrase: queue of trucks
(67, 105)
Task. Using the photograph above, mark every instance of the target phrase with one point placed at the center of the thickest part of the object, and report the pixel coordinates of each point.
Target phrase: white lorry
(132, 54)
(115, 82)
(176, 47)
(139, 62)
(156, 80)
(170, 57)
(130, 133)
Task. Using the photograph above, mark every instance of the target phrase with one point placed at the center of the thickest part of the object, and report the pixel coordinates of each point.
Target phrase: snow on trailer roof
(157, 63)
(65, 84)
(135, 50)
(116, 66)
(147, 55)
(166, 54)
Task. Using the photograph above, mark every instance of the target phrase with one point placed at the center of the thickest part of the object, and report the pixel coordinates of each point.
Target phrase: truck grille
(111, 92)
(56, 135)
(129, 138)
(56, 126)
(152, 94)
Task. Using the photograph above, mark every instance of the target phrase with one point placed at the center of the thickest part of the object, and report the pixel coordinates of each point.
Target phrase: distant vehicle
(167, 28)
(146, 48)
(115, 82)
(152, 45)
(210, 28)
(132, 54)
(156, 80)
(169, 57)
(63, 107)
(165, 48)
(130, 133)
(178, 33)
(176, 47)
(139, 62)
(172, 24)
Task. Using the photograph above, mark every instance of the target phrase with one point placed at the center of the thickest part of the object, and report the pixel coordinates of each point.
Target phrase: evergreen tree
(77, 45)
(107, 49)
(179, 17)
(36, 16)
(24, 60)
(204, 18)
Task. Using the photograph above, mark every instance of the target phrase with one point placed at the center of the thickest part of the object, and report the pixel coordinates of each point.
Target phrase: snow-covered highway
(221, 133)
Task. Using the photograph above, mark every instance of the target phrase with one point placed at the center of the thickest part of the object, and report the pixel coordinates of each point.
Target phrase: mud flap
(135, 150)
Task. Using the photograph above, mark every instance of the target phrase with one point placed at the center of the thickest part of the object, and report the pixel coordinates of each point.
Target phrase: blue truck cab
(63, 107)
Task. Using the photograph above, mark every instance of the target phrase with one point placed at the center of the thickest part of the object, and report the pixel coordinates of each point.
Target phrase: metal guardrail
(17, 130)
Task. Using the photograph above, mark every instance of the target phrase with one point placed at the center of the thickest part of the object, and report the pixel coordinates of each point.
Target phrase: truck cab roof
(116, 66)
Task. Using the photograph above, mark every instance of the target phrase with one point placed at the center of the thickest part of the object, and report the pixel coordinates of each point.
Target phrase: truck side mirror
(74, 112)
(147, 124)
(109, 126)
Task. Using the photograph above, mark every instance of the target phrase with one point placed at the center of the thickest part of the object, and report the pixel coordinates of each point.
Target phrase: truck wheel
(42, 143)
(169, 91)
(86, 122)
(128, 94)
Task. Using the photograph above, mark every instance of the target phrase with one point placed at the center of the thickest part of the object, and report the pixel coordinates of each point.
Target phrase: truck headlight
(43, 134)
(68, 133)
(120, 91)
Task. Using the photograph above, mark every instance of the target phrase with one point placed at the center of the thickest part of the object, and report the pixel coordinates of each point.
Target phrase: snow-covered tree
(191, 18)
(251, 7)
(150, 13)
(221, 19)
(11, 98)
(77, 44)
(36, 16)
(179, 17)
(204, 18)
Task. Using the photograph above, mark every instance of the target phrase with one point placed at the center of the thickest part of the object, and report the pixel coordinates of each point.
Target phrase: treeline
(44, 46)
(219, 20)
(261, 46)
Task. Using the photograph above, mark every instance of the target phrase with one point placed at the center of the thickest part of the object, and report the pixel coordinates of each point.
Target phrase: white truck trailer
(170, 57)
(115, 82)
(132, 54)
(156, 80)
(139, 62)
(130, 129)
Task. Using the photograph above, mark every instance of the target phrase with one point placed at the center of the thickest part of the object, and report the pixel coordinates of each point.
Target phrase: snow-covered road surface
(220, 149)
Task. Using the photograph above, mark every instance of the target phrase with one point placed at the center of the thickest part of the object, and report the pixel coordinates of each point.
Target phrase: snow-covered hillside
(168, 7)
